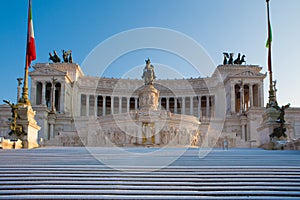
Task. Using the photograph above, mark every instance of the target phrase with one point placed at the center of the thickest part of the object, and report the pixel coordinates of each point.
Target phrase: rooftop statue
(67, 56)
(148, 74)
(238, 59)
(54, 58)
(228, 59)
(226, 56)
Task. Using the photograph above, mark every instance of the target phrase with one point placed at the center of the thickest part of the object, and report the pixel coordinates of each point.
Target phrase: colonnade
(244, 96)
(42, 93)
(101, 105)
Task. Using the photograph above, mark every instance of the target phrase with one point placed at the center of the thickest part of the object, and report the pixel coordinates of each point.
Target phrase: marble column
(207, 106)
(232, 99)
(87, 103)
(261, 94)
(52, 97)
(251, 95)
(43, 93)
(120, 105)
(168, 103)
(104, 106)
(32, 95)
(112, 104)
(241, 98)
(175, 105)
(135, 103)
(62, 98)
(128, 103)
(191, 105)
(199, 107)
(95, 105)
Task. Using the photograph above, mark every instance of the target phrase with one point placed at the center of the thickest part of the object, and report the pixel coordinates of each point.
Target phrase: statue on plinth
(15, 130)
(148, 74)
(280, 131)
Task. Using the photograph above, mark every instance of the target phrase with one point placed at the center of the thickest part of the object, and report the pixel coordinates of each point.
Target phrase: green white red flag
(30, 51)
(269, 40)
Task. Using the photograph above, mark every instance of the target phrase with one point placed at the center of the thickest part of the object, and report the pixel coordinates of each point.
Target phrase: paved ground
(149, 173)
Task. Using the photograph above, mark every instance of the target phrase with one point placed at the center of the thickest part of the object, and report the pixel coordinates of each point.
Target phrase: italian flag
(30, 51)
(269, 40)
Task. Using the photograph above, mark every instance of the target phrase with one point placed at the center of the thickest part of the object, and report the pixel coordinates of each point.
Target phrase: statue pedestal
(29, 126)
(148, 98)
(268, 124)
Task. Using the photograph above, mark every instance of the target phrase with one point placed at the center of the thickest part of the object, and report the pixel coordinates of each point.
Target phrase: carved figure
(238, 60)
(226, 56)
(66, 55)
(242, 60)
(148, 74)
(16, 130)
(54, 58)
(19, 81)
(280, 131)
(14, 110)
(70, 58)
(230, 61)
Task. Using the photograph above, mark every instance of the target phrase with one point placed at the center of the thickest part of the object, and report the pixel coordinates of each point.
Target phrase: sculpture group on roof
(229, 60)
(67, 57)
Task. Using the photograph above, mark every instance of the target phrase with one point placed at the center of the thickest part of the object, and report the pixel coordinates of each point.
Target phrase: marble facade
(94, 111)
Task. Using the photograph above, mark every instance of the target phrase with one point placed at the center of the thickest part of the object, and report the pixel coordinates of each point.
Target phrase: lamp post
(19, 88)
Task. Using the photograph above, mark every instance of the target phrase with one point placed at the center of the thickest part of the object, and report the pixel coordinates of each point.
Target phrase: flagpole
(272, 100)
(30, 55)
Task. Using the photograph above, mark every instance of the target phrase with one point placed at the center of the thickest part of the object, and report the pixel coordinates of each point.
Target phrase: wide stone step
(143, 183)
(73, 173)
(101, 194)
(92, 182)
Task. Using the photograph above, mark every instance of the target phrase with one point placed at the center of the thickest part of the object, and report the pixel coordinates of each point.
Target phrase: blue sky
(217, 25)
